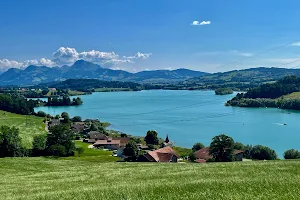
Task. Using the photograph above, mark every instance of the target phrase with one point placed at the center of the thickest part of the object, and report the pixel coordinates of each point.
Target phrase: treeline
(267, 95)
(64, 101)
(88, 85)
(223, 91)
(282, 87)
(58, 143)
(16, 104)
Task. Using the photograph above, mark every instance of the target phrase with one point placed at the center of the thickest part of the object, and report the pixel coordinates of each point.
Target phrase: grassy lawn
(42, 178)
(92, 155)
(33, 126)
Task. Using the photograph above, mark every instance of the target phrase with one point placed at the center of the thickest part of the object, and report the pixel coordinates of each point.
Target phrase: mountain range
(81, 69)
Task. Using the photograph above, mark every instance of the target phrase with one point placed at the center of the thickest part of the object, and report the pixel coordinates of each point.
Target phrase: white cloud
(67, 56)
(230, 52)
(197, 23)
(297, 44)
(139, 55)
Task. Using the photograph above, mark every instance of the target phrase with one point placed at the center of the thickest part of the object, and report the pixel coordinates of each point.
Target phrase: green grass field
(42, 178)
(33, 126)
(294, 95)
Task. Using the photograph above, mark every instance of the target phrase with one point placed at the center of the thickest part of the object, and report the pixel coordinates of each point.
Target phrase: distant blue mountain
(83, 69)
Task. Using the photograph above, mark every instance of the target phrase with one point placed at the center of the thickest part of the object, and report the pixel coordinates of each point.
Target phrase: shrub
(291, 154)
(41, 114)
(260, 152)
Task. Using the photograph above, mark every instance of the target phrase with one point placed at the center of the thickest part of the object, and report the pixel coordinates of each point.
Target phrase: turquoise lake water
(189, 117)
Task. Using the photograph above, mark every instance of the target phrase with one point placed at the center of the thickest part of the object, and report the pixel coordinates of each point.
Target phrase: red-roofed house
(202, 155)
(166, 154)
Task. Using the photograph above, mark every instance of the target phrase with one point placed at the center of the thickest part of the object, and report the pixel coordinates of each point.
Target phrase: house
(77, 127)
(203, 155)
(97, 135)
(54, 122)
(123, 141)
(166, 154)
(107, 144)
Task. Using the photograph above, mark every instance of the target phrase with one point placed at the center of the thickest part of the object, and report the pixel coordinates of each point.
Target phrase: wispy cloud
(197, 23)
(230, 52)
(297, 44)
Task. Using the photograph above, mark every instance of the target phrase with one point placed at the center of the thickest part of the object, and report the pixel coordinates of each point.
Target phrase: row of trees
(222, 148)
(16, 104)
(64, 101)
(58, 143)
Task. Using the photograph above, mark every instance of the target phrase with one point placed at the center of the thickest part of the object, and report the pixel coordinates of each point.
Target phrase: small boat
(285, 124)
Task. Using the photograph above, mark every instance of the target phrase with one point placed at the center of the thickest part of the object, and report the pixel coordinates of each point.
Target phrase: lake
(189, 117)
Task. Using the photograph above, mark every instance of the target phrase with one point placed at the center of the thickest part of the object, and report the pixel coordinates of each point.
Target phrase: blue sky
(140, 35)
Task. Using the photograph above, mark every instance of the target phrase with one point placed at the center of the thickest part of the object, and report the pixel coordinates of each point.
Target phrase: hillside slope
(42, 178)
(247, 77)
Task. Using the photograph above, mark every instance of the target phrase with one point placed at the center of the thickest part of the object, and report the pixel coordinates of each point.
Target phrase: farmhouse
(97, 135)
(107, 144)
(203, 155)
(77, 127)
(166, 154)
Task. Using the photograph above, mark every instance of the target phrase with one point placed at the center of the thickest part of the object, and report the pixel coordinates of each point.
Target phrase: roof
(161, 155)
(200, 160)
(97, 135)
(123, 140)
(237, 152)
(106, 142)
(204, 153)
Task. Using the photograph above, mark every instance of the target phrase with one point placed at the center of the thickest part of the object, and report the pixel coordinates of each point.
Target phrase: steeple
(167, 139)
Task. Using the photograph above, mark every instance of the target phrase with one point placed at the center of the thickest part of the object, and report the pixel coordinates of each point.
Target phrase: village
(92, 132)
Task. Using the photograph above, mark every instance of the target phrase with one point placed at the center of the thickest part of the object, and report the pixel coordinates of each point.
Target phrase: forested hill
(81, 69)
(243, 78)
(89, 84)
(284, 93)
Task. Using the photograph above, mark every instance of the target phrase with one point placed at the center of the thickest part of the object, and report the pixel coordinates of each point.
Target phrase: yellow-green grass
(42, 178)
(75, 93)
(29, 126)
(294, 95)
(92, 155)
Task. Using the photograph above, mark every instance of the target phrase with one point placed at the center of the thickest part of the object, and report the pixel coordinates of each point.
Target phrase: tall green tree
(151, 137)
(66, 117)
(39, 145)
(197, 146)
(60, 141)
(10, 142)
(221, 148)
(131, 151)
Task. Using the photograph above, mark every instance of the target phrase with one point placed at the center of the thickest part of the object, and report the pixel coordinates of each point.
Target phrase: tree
(39, 145)
(79, 150)
(60, 141)
(260, 152)
(151, 138)
(131, 151)
(197, 146)
(45, 91)
(123, 135)
(10, 142)
(76, 119)
(192, 157)
(66, 117)
(57, 116)
(221, 148)
(239, 146)
(93, 127)
(41, 114)
(291, 154)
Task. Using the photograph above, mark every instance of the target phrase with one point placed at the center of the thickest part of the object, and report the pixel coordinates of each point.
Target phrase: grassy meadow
(45, 178)
(33, 126)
